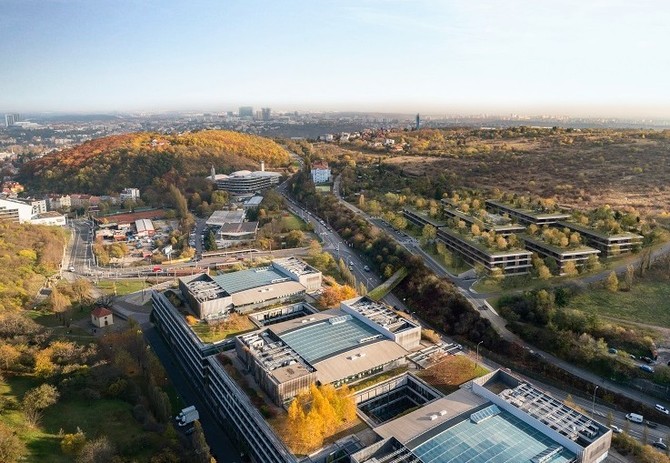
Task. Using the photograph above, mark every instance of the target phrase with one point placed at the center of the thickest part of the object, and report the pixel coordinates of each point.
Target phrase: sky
(569, 57)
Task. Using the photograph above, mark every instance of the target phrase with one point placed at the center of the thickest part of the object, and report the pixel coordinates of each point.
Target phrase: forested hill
(106, 165)
(28, 254)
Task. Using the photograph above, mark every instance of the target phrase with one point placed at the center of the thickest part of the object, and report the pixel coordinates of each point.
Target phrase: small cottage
(101, 317)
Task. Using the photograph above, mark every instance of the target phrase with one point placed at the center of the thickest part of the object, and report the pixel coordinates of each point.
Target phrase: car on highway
(366, 268)
(651, 424)
(616, 429)
(662, 409)
(647, 360)
(612, 350)
(71, 268)
(660, 445)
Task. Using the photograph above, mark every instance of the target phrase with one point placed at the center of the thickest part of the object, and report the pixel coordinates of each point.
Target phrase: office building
(487, 222)
(246, 182)
(246, 111)
(266, 114)
(338, 346)
(609, 245)
(497, 417)
(213, 297)
(12, 119)
(579, 255)
(14, 210)
(526, 216)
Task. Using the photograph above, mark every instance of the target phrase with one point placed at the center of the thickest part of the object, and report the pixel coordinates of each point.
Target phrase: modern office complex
(227, 402)
(420, 219)
(578, 255)
(512, 262)
(526, 216)
(29, 211)
(246, 182)
(212, 297)
(608, 245)
(497, 417)
(338, 346)
(489, 223)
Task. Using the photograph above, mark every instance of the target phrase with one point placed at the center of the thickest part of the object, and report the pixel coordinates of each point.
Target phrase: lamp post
(593, 405)
(477, 358)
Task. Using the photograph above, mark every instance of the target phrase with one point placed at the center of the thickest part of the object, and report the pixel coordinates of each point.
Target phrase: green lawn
(647, 302)
(292, 222)
(123, 287)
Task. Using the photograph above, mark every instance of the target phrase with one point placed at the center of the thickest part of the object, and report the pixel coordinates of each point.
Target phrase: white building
(59, 202)
(245, 182)
(320, 172)
(15, 211)
(102, 317)
(52, 218)
(130, 193)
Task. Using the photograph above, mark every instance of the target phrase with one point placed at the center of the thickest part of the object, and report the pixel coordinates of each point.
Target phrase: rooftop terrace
(380, 314)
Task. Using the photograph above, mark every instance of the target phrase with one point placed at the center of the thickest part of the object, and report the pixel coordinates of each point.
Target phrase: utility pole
(477, 357)
(593, 405)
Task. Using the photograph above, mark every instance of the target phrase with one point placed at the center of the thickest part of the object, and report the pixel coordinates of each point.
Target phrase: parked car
(651, 424)
(646, 368)
(647, 360)
(616, 429)
(612, 350)
(662, 409)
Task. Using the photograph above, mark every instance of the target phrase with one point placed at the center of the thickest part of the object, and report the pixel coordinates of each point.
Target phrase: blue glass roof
(247, 279)
(320, 340)
(498, 438)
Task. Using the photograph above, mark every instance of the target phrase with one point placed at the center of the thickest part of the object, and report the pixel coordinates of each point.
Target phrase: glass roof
(498, 438)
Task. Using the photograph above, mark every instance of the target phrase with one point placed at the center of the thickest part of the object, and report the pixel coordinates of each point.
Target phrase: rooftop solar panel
(500, 438)
(320, 340)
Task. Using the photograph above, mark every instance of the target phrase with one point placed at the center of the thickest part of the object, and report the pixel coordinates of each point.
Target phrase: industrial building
(608, 245)
(338, 346)
(212, 297)
(497, 417)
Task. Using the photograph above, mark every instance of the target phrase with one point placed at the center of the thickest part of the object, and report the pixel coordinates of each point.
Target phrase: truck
(635, 418)
(187, 416)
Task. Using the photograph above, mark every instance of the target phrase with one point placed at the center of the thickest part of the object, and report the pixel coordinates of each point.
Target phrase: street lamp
(593, 405)
(477, 358)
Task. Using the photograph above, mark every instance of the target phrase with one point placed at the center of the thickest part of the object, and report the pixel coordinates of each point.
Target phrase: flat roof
(323, 338)
(243, 280)
(143, 225)
(493, 435)
(379, 314)
(426, 217)
(238, 228)
(294, 265)
(529, 212)
(581, 249)
(264, 293)
(592, 231)
(218, 218)
(358, 359)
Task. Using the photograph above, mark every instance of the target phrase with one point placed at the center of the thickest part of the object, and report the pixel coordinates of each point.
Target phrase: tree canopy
(105, 165)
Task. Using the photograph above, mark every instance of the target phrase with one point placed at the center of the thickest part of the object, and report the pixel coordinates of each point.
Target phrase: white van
(635, 418)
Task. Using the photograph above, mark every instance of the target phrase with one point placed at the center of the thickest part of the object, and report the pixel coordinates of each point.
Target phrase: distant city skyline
(593, 58)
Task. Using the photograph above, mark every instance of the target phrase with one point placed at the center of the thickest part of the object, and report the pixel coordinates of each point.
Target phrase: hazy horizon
(569, 58)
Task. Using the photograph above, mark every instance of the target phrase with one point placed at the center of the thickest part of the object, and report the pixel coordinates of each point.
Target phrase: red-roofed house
(101, 317)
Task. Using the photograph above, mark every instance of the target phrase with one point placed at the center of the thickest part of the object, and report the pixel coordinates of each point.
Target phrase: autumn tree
(429, 232)
(72, 444)
(58, 301)
(99, 450)
(612, 282)
(36, 400)
(543, 272)
(570, 268)
(9, 356)
(12, 448)
(201, 452)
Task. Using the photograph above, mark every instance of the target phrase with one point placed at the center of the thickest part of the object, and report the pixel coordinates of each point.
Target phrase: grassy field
(292, 222)
(647, 302)
(95, 417)
(123, 287)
